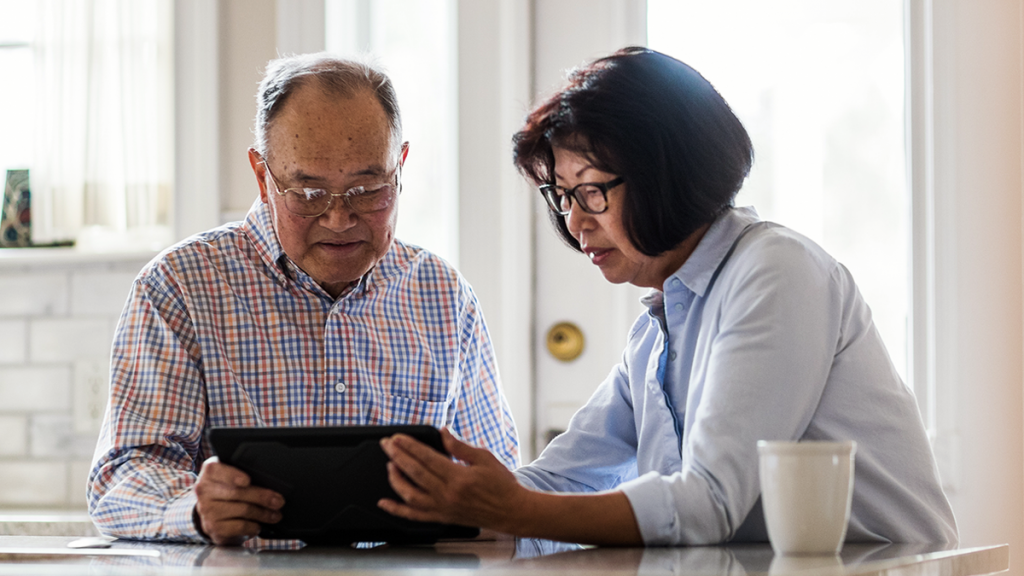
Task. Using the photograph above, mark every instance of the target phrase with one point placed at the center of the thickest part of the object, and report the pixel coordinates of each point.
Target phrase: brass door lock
(565, 341)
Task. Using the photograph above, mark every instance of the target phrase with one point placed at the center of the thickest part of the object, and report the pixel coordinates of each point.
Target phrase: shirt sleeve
(598, 449)
(149, 448)
(769, 333)
(482, 416)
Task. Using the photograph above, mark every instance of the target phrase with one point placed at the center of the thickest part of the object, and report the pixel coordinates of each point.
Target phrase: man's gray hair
(336, 76)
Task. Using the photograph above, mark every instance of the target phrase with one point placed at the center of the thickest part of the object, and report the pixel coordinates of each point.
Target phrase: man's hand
(228, 509)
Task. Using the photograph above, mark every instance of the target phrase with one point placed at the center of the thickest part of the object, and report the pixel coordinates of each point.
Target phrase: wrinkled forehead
(322, 127)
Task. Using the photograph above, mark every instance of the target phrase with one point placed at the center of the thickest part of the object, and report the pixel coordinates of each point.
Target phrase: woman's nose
(577, 220)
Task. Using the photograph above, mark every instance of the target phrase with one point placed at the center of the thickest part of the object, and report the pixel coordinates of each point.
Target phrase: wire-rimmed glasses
(312, 202)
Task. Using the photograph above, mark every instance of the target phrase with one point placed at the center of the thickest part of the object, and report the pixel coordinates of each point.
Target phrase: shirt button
(661, 402)
(676, 282)
(679, 306)
(340, 387)
(672, 355)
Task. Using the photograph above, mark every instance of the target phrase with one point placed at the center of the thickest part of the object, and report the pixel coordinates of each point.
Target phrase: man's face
(323, 141)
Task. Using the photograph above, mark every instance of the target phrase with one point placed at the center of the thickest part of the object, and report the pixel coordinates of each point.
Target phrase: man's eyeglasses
(312, 202)
(592, 197)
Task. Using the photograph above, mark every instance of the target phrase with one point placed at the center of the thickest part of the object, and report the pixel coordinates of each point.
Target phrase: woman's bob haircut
(658, 124)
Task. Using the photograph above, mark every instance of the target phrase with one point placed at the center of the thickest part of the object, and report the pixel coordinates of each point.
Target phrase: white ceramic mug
(806, 488)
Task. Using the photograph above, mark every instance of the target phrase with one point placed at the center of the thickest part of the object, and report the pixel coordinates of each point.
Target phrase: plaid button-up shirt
(224, 330)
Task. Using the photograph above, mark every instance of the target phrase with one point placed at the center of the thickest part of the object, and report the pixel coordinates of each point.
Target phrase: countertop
(46, 523)
(50, 555)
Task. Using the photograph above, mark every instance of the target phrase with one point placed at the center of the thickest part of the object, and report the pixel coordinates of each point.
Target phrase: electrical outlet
(89, 395)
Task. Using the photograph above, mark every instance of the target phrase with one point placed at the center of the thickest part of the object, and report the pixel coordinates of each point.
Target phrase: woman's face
(603, 237)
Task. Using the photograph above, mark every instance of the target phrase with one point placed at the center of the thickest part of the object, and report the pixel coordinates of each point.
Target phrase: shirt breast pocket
(388, 410)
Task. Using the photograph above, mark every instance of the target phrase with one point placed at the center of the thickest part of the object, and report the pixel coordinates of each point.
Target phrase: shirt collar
(698, 269)
(260, 229)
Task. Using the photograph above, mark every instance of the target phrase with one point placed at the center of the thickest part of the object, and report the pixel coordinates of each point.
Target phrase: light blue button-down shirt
(769, 342)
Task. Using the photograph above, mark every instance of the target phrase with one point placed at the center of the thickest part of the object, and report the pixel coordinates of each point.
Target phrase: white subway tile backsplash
(34, 294)
(13, 345)
(13, 435)
(56, 328)
(28, 483)
(100, 292)
(52, 436)
(89, 392)
(78, 476)
(44, 389)
(70, 339)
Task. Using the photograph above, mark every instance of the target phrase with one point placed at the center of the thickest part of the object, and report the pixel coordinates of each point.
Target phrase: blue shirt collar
(698, 269)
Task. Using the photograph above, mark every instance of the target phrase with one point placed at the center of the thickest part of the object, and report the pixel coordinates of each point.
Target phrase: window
(819, 87)
(95, 108)
(415, 43)
(16, 31)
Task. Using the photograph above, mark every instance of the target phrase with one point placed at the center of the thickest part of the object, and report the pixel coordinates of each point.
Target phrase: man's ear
(405, 152)
(259, 168)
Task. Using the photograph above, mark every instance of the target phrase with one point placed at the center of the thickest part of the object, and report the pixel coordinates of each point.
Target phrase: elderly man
(308, 313)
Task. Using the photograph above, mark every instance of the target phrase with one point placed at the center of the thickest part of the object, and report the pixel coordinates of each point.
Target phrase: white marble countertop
(46, 523)
(50, 555)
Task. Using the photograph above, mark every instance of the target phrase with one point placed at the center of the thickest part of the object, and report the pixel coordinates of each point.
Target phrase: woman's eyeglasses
(592, 197)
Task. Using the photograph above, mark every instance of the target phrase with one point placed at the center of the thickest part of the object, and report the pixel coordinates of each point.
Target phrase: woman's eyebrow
(580, 172)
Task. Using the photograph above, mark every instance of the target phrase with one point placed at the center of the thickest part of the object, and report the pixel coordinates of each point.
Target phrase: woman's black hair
(658, 124)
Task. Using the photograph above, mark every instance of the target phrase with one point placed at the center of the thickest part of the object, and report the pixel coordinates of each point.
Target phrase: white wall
(495, 218)
(967, 133)
(246, 36)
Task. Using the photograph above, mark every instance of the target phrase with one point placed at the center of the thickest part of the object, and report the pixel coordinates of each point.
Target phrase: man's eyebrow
(375, 170)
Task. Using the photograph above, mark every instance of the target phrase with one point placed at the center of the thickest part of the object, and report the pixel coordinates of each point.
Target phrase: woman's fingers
(407, 512)
(409, 492)
(423, 465)
(460, 449)
(416, 504)
(478, 491)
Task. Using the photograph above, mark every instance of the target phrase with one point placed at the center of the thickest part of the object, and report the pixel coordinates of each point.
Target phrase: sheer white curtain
(102, 170)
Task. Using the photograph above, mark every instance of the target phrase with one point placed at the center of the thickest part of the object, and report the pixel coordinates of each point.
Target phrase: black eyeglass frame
(551, 194)
(346, 197)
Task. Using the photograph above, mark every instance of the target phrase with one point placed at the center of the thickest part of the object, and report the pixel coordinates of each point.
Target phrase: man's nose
(338, 215)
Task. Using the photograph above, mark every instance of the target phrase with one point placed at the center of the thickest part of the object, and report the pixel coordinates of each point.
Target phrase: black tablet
(331, 479)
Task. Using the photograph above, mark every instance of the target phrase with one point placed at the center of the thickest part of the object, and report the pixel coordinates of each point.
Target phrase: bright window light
(414, 41)
(17, 23)
(819, 87)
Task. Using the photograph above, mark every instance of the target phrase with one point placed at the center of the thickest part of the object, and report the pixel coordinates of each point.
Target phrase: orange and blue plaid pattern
(223, 330)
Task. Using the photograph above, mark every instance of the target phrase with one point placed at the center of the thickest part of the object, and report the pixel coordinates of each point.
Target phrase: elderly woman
(752, 333)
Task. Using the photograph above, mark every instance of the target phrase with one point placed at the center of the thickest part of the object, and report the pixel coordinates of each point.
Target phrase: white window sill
(45, 258)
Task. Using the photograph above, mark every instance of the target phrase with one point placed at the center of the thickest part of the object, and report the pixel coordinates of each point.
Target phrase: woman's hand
(481, 492)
